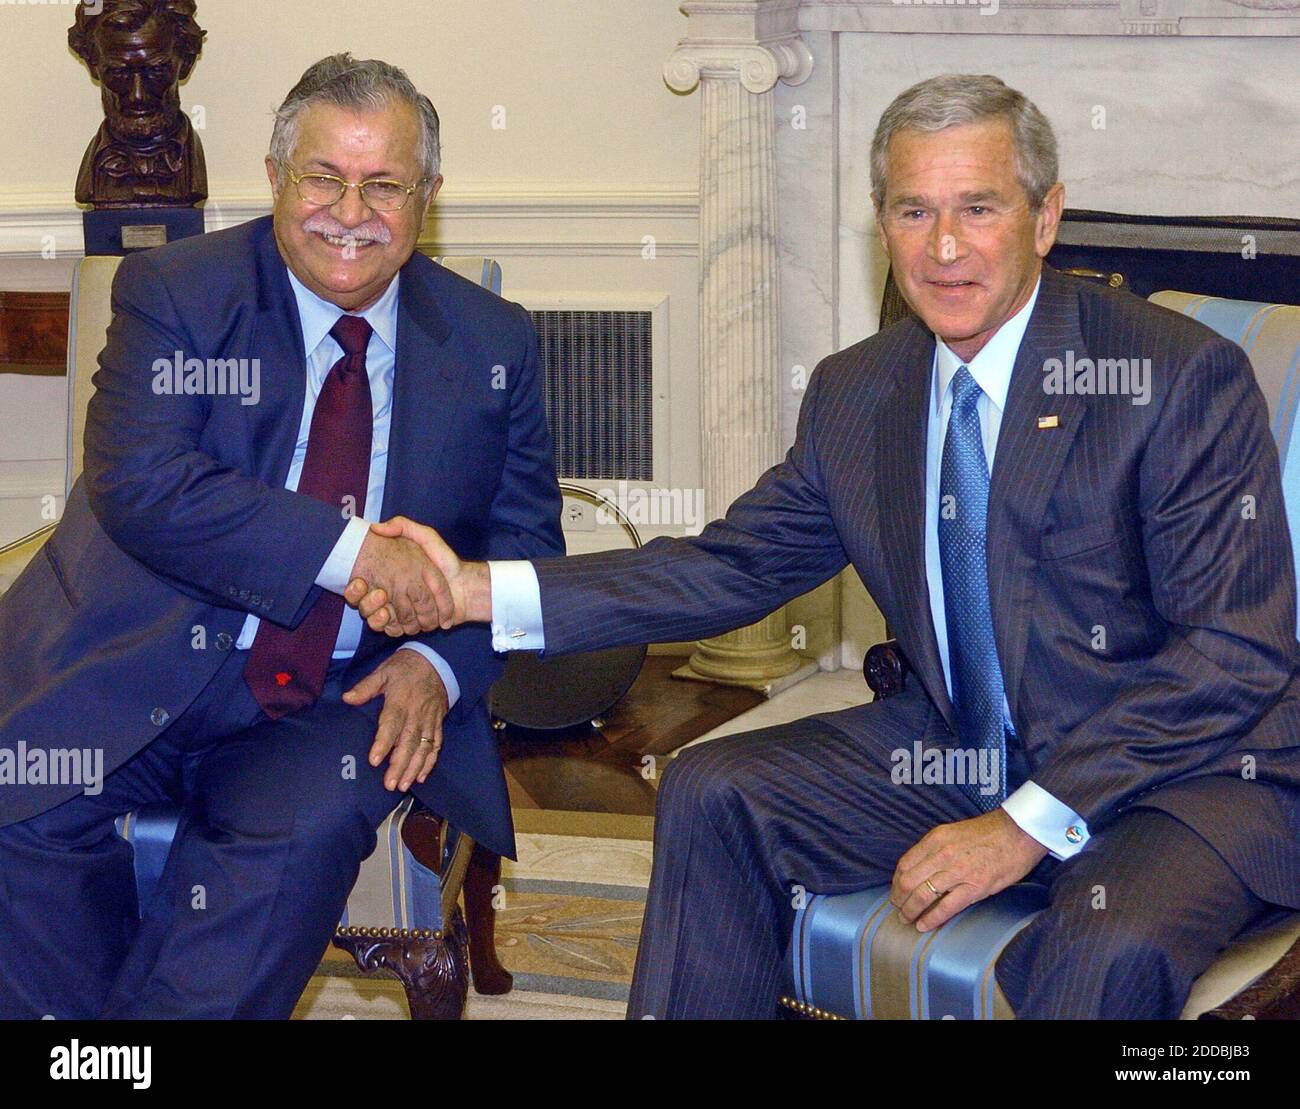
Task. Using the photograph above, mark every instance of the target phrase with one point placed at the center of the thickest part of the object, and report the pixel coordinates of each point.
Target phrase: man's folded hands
(406, 580)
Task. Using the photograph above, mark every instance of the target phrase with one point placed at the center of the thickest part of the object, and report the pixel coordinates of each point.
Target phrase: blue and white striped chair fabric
(852, 958)
(1270, 336)
(848, 952)
(393, 890)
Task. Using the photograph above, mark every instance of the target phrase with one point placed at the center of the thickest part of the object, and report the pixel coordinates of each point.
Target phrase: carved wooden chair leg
(432, 966)
(481, 880)
(1275, 995)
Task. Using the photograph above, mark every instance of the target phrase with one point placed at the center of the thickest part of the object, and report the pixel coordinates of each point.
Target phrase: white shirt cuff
(1055, 825)
(337, 571)
(441, 665)
(516, 607)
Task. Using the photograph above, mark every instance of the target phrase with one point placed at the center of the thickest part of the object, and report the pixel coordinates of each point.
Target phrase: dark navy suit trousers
(276, 819)
(746, 823)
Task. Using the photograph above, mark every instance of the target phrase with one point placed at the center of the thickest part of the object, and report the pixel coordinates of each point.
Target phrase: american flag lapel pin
(1048, 421)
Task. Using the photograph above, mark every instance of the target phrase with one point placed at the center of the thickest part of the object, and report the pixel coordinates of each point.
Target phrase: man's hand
(955, 865)
(415, 589)
(469, 587)
(410, 723)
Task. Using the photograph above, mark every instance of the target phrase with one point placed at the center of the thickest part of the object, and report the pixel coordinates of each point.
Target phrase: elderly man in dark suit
(1095, 592)
(186, 619)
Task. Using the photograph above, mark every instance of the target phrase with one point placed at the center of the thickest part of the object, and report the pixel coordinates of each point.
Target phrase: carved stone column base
(769, 687)
(760, 656)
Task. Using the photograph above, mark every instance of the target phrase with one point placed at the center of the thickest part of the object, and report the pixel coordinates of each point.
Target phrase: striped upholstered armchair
(403, 914)
(852, 958)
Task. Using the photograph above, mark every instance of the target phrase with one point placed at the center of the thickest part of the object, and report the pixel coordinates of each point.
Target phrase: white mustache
(373, 231)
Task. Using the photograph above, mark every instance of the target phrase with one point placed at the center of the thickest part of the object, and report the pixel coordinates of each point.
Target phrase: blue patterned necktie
(963, 553)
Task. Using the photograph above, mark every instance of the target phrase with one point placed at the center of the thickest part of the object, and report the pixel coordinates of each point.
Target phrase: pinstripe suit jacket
(1159, 526)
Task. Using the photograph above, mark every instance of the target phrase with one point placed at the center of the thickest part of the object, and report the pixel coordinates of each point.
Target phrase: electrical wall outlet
(578, 515)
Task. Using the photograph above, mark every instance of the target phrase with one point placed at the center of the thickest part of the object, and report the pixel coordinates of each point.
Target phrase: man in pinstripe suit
(1115, 626)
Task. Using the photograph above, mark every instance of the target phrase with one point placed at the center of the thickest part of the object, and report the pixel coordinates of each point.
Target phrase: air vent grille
(599, 392)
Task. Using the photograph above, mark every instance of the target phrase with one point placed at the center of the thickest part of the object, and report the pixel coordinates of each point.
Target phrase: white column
(735, 52)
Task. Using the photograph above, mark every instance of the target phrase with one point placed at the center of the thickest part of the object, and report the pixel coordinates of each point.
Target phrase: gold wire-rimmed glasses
(324, 189)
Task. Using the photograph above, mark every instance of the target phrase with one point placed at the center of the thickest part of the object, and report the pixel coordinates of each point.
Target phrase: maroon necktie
(286, 669)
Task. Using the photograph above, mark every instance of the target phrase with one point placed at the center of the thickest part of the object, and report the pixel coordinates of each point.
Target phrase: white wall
(585, 101)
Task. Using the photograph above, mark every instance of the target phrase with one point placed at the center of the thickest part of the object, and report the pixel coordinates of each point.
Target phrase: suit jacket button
(243, 594)
(224, 641)
(255, 599)
(159, 717)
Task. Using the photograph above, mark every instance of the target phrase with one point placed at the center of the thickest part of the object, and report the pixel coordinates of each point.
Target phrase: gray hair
(957, 98)
(348, 83)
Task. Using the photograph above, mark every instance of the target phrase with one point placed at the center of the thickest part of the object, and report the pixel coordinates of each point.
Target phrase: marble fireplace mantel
(1230, 18)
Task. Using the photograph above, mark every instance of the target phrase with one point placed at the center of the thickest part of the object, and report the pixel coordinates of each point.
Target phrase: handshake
(406, 580)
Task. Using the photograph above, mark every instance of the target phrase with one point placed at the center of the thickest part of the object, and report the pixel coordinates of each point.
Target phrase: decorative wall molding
(518, 222)
(1225, 18)
(566, 222)
(24, 485)
(31, 479)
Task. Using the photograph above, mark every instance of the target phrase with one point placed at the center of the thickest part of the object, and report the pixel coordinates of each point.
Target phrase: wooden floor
(611, 770)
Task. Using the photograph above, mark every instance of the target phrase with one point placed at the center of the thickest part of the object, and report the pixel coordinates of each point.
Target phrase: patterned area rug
(571, 919)
(567, 928)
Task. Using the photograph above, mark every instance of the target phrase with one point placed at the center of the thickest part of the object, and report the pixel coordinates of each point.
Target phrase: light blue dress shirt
(317, 317)
(1035, 810)
(517, 601)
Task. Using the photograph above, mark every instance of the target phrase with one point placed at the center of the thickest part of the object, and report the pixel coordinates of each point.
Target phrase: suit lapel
(428, 384)
(900, 465)
(428, 377)
(1027, 468)
(277, 344)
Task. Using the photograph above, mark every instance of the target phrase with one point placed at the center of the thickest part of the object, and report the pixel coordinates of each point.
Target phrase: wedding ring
(930, 886)
(425, 739)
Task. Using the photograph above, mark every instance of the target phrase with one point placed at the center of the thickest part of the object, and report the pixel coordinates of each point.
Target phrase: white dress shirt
(317, 317)
(517, 601)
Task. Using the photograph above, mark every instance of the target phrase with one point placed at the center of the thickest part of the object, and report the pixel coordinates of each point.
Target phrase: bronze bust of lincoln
(146, 153)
